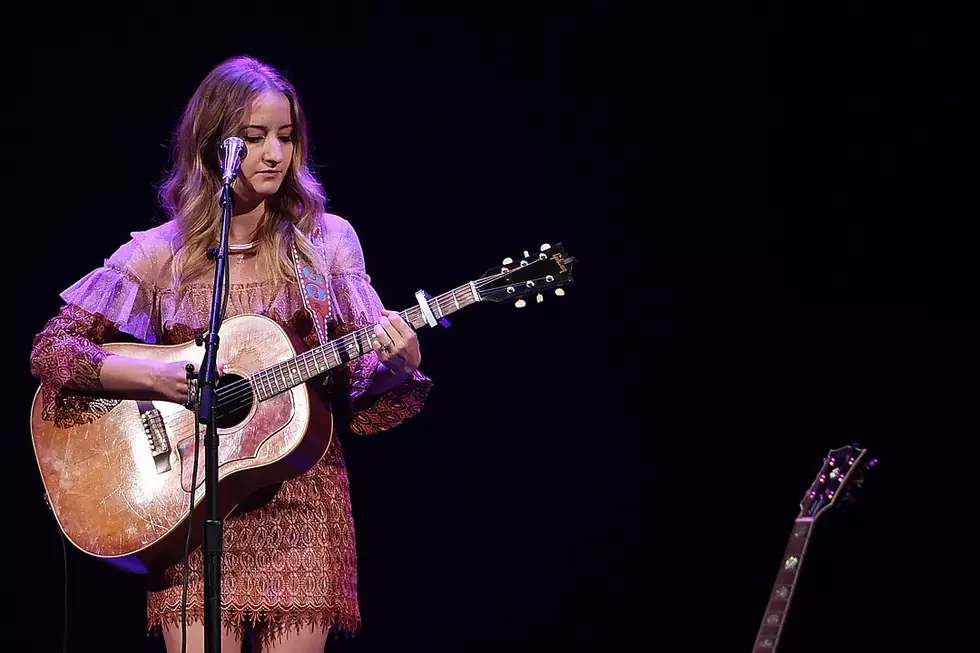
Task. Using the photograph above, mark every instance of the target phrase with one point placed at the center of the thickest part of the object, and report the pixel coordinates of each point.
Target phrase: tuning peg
(526, 254)
(507, 261)
(545, 246)
(540, 298)
(520, 303)
(560, 292)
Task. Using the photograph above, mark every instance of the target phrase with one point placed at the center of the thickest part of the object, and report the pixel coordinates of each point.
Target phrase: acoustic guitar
(842, 472)
(118, 481)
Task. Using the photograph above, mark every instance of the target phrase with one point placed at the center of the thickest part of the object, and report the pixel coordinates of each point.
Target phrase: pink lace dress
(288, 561)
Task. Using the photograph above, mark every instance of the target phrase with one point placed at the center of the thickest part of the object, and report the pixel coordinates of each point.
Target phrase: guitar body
(118, 478)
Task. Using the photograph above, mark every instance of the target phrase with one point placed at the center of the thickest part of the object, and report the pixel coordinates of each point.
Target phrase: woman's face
(268, 136)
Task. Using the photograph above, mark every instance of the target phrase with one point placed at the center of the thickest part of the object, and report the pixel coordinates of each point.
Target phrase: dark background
(764, 207)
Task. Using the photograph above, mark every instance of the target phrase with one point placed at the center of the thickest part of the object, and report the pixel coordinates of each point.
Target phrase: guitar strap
(313, 290)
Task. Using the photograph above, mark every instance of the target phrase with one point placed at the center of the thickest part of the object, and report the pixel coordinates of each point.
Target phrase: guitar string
(242, 392)
(444, 301)
(344, 341)
(246, 388)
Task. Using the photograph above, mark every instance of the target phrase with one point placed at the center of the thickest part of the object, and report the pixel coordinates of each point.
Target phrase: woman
(288, 563)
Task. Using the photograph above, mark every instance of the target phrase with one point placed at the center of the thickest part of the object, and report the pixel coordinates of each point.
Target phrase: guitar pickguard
(242, 442)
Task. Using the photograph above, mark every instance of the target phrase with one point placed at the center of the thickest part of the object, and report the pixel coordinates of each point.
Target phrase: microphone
(232, 153)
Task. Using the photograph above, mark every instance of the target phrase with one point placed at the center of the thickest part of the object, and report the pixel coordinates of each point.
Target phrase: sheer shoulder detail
(124, 289)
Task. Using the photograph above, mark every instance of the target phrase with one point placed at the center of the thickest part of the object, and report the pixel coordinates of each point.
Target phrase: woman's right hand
(169, 380)
(146, 379)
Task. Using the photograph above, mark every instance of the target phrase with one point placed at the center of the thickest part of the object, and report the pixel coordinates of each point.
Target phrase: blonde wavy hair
(191, 190)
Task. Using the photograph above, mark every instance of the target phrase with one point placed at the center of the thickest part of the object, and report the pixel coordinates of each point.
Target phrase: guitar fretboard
(288, 374)
(782, 590)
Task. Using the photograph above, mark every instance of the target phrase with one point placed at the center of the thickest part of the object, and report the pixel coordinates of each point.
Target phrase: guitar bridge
(156, 435)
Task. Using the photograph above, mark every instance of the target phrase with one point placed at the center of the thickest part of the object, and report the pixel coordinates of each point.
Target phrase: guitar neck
(782, 590)
(290, 373)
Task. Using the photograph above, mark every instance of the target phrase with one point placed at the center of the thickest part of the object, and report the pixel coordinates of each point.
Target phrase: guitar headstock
(842, 472)
(548, 269)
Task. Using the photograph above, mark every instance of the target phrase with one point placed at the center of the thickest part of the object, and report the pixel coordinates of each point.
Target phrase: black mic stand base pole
(212, 535)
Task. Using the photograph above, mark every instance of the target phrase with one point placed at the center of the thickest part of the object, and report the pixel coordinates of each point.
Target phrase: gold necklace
(241, 249)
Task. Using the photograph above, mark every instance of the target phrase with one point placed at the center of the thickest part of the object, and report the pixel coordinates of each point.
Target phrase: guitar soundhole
(235, 400)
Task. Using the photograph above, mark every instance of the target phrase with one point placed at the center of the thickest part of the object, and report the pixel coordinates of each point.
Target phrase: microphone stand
(208, 378)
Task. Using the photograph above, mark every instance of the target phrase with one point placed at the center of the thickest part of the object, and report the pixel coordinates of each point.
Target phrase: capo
(423, 299)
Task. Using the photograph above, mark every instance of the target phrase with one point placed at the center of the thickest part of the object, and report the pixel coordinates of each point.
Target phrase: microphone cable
(64, 559)
(64, 607)
(187, 541)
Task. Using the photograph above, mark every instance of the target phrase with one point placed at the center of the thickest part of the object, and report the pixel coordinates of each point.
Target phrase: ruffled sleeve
(66, 356)
(122, 290)
(355, 305)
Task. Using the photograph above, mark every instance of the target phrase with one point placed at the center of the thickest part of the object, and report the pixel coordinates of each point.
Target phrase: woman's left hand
(396, 344)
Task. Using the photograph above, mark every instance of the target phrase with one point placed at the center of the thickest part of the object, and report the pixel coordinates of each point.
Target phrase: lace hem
(271, 625)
